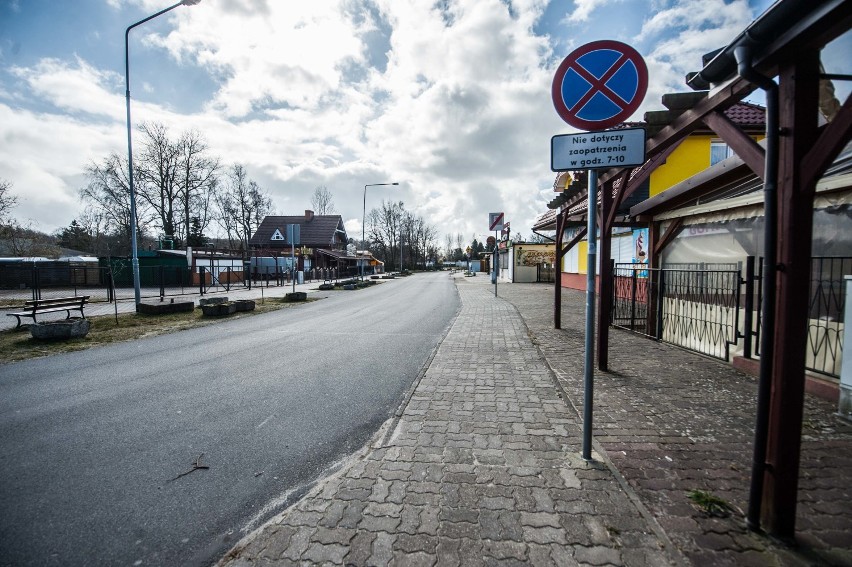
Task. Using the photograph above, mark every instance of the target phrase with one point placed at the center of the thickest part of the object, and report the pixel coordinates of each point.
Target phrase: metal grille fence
(827, 304)
(691, 308)
(700, 310)
(21, 282)
(631, 301)
(697, 306)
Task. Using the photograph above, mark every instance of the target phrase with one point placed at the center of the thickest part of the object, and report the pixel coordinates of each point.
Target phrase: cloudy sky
(450, 98)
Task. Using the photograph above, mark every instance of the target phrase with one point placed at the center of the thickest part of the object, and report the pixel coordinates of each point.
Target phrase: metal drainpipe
(770, 183)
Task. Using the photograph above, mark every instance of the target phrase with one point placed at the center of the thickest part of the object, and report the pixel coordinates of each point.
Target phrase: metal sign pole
(591, 268)
(623, 84)
(495, 223)
(496, 259)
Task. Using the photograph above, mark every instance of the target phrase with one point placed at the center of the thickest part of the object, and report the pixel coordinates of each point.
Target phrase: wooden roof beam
(742, 144)
(831, 141)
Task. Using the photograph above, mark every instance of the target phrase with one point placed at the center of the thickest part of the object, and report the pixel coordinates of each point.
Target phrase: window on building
(719, 151)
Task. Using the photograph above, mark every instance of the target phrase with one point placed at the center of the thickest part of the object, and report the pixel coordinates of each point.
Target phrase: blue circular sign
(599, 85)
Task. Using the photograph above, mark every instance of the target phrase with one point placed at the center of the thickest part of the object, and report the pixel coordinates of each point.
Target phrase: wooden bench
(55, 304)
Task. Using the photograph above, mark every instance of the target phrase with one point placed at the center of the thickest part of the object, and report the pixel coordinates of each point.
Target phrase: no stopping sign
(599, 85)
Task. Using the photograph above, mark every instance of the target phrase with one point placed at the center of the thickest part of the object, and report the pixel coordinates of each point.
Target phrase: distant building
(522, 262)
(322, 244)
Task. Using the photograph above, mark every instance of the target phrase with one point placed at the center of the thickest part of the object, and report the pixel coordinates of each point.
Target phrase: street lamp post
(364, 220)
(133, 244)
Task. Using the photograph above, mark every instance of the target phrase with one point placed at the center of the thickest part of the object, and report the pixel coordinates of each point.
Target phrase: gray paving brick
(597, 555)
(417, 559)
(419, 542)
(410, 519)
(540, 519)
(388, 509)
(379, 524)
(360, 548)
(339, 536)
(382, 549)
(544, 535)
(352, 514)
(458, 530)
(318, 553)
(276, 542)
(299, 542)
(504, 550)
(448, 552)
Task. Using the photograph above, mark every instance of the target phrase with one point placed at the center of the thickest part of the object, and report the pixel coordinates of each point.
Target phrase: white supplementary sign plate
(597, 150)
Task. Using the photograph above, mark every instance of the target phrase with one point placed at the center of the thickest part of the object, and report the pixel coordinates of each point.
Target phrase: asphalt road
(92, 443)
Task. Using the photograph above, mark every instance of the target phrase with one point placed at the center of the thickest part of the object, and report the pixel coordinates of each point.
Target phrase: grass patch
(710, 504)
(17, 344)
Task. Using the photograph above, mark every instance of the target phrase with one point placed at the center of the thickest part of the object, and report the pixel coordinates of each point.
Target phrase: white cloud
(279, 54)
(74, 87)
(460, 114)
(681, 34)
(44, 157)
(584, 8)
(693, 15)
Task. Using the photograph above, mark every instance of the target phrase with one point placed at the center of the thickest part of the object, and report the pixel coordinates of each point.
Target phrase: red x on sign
(599, 85)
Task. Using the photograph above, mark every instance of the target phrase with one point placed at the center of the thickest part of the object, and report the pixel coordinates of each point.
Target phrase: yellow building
(700, 150)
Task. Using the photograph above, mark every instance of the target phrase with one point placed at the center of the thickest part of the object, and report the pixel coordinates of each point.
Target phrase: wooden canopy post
(798, 99)
(805, 153)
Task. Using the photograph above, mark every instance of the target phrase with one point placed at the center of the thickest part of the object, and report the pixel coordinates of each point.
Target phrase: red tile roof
(747, 114)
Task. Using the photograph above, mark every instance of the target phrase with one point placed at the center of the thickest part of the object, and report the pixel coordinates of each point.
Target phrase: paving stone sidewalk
(482, 468)
(673, 421)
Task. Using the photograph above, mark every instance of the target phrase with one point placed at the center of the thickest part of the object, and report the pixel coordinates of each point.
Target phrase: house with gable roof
(322, 244)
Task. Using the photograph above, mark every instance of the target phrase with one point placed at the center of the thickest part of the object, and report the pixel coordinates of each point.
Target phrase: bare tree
(108, 193)
(19, 240)
(175, 185)
(226, 215)
(242, 205)
(425, 236)
(158, 169)
(7, 200)
(94, 222)
(322, 201)
(419, 235)
(391, 224)
(198, 183)
(177, 179)
(385, 225)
